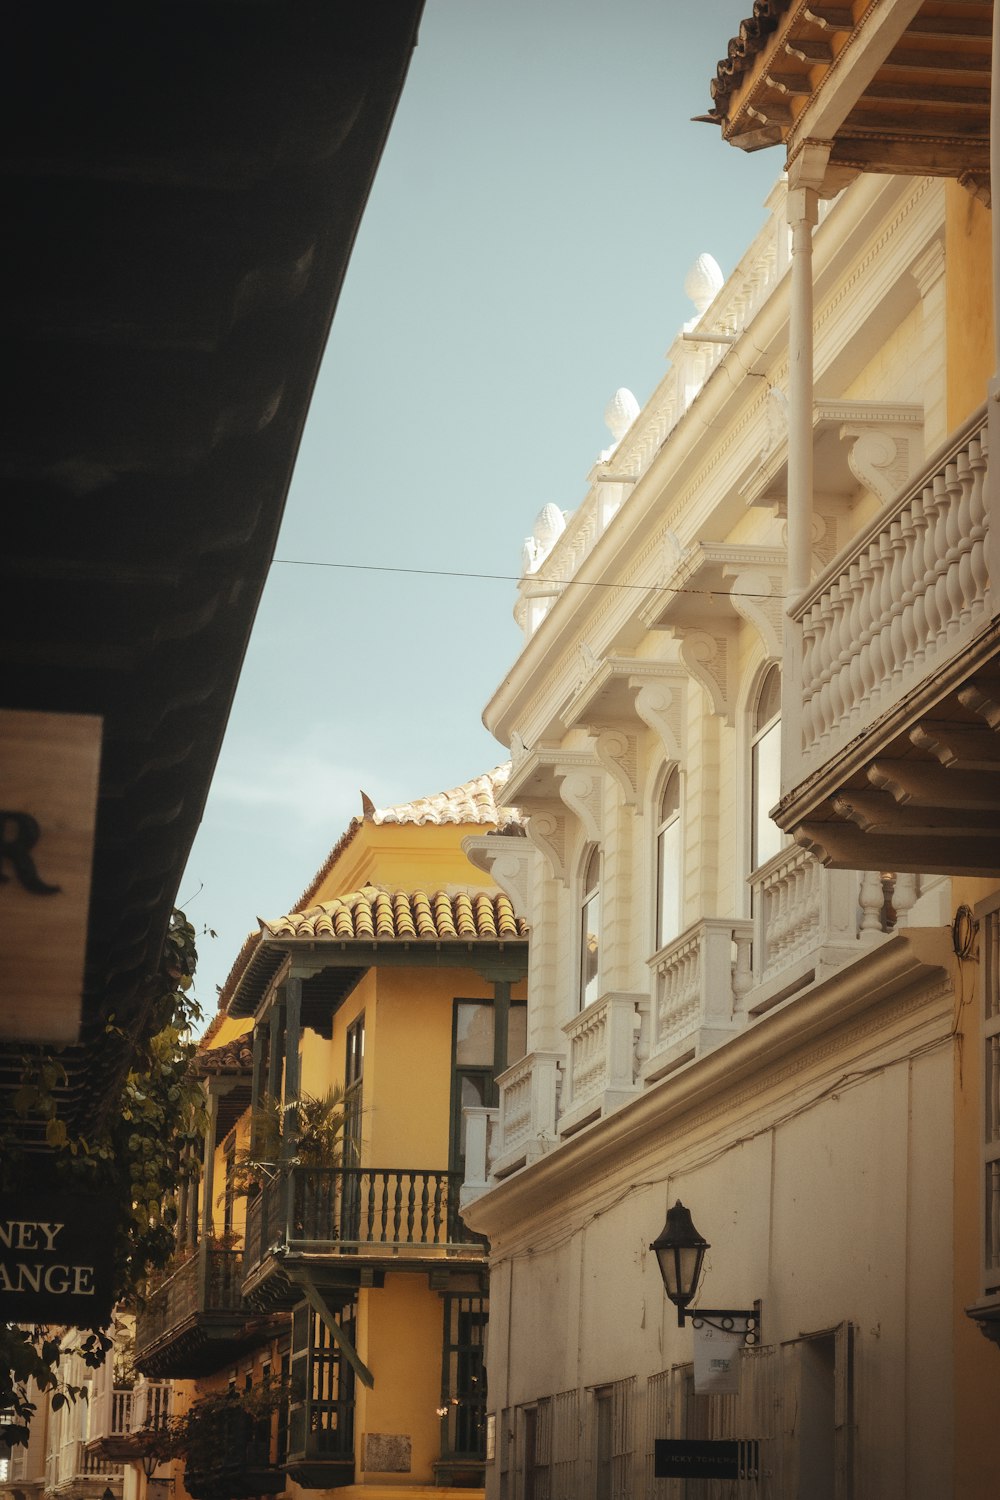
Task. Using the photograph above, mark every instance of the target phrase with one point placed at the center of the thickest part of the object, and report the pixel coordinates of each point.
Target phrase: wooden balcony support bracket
(302, 1278)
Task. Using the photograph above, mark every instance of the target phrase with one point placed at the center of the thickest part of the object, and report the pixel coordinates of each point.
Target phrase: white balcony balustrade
(481, 1128)
(529, 1103)
(602, 1059)
(700, 981)
(895, 608)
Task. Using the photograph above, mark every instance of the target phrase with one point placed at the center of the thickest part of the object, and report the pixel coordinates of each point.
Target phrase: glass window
(590, 930)
(668, 863)
(765, 835)
(354, 1080)
(474, 1066)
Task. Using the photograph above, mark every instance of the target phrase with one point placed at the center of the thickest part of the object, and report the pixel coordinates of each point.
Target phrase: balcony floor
(920, 789)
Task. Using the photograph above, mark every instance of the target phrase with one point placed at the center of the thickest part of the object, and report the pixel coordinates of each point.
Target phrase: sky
(542, 195)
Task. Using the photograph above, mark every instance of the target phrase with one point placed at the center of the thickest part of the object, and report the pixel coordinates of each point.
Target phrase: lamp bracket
(726, 1319)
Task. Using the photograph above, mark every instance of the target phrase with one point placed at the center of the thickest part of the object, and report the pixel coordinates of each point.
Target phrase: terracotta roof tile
(373, 913)
(234, 1056)
(743, 48)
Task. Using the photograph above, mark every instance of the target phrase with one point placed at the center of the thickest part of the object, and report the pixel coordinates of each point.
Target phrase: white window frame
(589, 989)
(761, 734)
(673, 820)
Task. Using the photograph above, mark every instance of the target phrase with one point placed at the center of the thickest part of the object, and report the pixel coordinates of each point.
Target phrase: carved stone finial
(704, 282)
(620, 412)
(550, 523)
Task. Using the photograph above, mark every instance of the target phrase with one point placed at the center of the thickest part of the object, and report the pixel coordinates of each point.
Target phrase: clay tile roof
(476, 801)
(743, 48)
(234, 1056)
(375, 914)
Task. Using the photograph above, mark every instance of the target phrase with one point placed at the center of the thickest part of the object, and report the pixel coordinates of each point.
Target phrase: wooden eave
(923, 111)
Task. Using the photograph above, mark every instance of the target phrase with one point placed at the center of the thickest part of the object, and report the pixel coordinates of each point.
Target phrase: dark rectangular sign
(56, 1259)
(693, 1458)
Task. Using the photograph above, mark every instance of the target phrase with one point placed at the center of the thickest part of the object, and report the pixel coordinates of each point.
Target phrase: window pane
(768, 699)
(589, 948)
(668, 860)
(517, 1033)
(671, 800)
(474, 1035)
(767, 836)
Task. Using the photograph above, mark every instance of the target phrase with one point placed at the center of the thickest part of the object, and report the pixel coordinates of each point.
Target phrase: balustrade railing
(151, 1405)
(906, 597)
(601, 1066)
(121, 1411)
(209, 1281)
(809, 921)
(529, 1103)
(357, 1208)
(701, 980)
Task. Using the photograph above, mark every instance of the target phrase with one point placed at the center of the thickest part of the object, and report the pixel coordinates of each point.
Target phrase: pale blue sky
(541, 198)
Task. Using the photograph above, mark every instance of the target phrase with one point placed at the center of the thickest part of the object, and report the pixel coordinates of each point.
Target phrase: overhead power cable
(590, 583)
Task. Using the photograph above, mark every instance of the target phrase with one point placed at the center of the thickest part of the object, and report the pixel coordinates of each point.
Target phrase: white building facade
(713, 1016)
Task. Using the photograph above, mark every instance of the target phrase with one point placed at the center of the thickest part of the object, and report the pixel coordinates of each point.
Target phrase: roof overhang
(901, 86)
(183, 186)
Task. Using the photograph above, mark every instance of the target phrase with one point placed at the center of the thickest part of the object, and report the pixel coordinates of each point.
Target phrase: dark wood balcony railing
(209, 1282)
(357, 1208)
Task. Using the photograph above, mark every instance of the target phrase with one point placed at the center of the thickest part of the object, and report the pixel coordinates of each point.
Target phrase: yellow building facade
(323, 1246)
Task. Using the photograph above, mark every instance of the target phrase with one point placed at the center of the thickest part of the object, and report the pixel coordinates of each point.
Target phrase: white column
(803, 210)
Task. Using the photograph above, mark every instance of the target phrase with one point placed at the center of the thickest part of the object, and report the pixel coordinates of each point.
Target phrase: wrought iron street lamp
(680, 1252)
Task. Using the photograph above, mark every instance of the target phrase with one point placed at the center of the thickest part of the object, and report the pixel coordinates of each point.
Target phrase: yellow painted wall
(969, 301)
(404, 856)
(401, 1333)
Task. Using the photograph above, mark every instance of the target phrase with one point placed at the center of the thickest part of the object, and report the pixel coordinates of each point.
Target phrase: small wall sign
(719, 1458)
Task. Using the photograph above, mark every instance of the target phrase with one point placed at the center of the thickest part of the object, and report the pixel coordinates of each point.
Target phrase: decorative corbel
(547, 832)
(506, 859)
(758, 597)
(581, 792)
(660, 706)
(879, 459)
(707, 657)
(618, 752)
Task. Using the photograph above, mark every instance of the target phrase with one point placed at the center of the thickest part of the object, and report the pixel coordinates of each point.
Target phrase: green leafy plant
(316, 1136)
(138, 1156)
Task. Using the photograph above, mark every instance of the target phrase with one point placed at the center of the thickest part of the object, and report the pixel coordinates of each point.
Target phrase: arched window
(590, 929)
(765, 836)
(668, 862)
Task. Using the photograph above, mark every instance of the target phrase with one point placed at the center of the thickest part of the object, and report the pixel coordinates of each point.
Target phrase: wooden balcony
(891, 723)
(196, 1318)
(346, 1226)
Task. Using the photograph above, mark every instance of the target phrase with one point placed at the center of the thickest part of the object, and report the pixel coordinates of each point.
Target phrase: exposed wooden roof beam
(911, 781)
